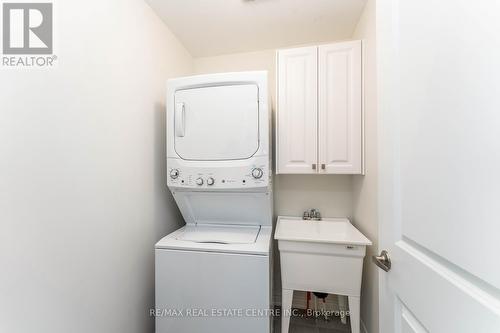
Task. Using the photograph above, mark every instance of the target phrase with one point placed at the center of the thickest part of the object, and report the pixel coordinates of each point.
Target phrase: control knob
(174, 173)
(257, 173)
(210, 181)
(199, 181)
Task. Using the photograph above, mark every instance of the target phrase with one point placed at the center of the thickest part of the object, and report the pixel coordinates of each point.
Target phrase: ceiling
(213, 27)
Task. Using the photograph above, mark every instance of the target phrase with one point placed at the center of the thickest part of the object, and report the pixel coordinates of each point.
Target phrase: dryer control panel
(255, 175)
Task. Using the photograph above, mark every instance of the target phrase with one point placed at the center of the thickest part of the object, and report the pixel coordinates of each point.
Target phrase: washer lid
(227, 234)
(261, 246)
(225, 208)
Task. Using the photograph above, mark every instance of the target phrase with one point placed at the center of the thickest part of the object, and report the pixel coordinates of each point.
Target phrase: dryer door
(217, 123)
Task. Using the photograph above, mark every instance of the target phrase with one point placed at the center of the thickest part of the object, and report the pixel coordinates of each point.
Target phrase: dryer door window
(217, 123)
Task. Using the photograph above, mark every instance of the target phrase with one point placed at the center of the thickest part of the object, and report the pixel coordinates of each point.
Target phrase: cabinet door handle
(314, 166)
(323, 166)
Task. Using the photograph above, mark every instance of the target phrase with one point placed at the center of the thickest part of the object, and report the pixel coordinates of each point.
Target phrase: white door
(340, 107)
(217, 123)
(439, 64)
(297, 110)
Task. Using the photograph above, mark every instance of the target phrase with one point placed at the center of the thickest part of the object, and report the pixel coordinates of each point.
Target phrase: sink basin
(323, 256)
(328, 230)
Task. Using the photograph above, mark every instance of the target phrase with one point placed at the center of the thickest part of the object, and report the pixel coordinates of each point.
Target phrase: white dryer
(214, 274)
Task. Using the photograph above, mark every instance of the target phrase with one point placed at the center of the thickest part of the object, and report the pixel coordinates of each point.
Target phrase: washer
(214, 273)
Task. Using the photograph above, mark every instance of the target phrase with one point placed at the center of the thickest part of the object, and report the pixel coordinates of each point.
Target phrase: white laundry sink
(323, 256)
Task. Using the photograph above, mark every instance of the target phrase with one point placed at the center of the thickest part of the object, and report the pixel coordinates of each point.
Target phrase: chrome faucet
(312, 214)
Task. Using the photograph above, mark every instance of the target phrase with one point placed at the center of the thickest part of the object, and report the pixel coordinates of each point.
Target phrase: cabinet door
(297, 114)
(340, 118)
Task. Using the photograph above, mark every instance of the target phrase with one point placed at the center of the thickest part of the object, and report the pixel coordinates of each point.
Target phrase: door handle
(383, 260)
(179, 119)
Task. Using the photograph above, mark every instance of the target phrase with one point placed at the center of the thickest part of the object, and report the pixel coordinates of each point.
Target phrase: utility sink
(323, 256)
(328, 230)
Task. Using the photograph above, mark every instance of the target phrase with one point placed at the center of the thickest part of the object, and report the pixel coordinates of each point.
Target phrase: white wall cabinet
(298, 104)
(319, 116)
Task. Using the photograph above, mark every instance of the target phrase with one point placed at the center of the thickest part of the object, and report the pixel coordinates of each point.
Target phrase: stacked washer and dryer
(214, 273)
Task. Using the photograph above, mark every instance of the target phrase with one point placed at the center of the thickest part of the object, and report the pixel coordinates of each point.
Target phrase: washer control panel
(174, 173)
(219, 178)
(257, 173)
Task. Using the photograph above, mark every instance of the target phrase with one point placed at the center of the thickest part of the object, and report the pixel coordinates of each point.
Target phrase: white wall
(82, 187)
(365, 187)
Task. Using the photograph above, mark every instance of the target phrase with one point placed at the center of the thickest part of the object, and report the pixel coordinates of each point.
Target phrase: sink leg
(286, 308)
(354, 313)
(343, 308)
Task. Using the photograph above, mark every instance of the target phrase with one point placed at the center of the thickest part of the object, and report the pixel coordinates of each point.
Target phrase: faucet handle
(315, 214)
(312, 214)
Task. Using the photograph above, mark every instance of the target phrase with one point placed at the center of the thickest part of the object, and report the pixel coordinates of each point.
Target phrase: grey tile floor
(311, 325)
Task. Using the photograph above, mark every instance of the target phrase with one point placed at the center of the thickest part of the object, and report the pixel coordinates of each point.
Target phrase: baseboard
(363, 326)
